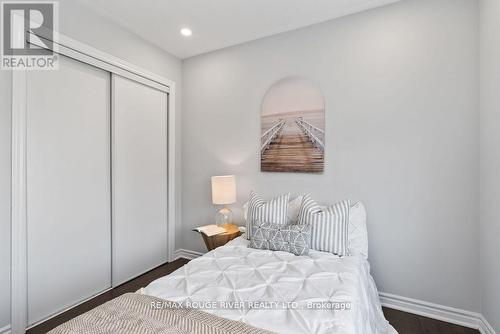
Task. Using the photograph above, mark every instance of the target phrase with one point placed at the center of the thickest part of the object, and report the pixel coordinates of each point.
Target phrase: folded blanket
(141, 314)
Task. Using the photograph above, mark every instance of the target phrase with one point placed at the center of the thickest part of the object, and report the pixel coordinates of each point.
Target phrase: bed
(235, 289)
(238, 289)
(278, 291)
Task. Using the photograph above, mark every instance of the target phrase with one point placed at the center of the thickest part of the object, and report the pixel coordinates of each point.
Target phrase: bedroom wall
(490, 160)
(87, 27)
(401, 91)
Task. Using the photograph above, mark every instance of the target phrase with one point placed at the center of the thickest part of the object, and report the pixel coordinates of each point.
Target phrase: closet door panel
(68, 180)
(139, 178)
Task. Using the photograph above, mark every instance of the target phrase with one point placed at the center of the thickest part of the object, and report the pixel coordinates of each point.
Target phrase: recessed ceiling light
(186, 32)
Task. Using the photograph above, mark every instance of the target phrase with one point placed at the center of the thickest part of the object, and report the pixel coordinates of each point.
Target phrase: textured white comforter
(261, 278)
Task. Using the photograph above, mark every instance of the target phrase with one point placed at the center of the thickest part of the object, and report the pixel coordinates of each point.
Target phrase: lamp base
(224, 216)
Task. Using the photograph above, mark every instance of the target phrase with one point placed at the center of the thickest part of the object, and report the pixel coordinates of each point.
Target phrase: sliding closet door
(68, 186)
(139, 178)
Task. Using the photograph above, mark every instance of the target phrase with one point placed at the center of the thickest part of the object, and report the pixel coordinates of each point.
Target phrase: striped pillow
(329, 225)
(273, 211)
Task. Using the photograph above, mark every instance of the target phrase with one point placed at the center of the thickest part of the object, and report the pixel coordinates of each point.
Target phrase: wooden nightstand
(218, 240)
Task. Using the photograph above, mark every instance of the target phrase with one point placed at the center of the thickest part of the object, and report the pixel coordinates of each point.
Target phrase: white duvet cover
(278, 291)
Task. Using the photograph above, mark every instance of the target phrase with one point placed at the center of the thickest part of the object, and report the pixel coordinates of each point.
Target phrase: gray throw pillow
(274, 210)
(295, 239)
(329, 231)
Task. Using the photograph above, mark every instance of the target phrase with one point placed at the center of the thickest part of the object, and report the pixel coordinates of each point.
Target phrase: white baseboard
(5, 330)
(486, 328)
(186, 254)
(438, 312)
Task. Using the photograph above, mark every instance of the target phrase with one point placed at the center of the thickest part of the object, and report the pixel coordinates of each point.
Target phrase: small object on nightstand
(210, 230)
(217, 240)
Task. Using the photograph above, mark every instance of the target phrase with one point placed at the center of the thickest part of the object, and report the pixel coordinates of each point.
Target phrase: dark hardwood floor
(404, 323)
(130, 286)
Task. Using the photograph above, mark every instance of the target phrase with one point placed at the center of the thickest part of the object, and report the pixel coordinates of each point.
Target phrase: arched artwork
(293, 127)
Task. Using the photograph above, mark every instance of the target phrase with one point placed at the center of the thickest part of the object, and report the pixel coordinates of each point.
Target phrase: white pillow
(293, 210)
(358, 234)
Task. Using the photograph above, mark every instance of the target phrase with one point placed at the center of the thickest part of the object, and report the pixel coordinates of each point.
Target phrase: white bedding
(238, 273)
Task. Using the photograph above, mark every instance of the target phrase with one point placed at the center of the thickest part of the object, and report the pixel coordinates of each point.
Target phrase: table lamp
(224, 193)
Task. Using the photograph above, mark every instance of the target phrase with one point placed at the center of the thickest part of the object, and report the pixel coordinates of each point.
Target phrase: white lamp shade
(224, 189)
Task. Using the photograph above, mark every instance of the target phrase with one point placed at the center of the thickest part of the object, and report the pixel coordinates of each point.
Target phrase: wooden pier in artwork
(293, 146)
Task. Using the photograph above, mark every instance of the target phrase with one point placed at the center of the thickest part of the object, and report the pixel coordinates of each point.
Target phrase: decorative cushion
(329, 226)
(358, 234)
(293, 239)
(293, 210)
(357, 244)
(273, 211)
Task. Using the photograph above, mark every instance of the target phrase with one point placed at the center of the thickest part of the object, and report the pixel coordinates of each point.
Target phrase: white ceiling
(219, 23)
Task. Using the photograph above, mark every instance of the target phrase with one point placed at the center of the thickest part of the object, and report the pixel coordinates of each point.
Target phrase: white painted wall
(5, 144)
(401, 91)
(490, 160)
(87, 27)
